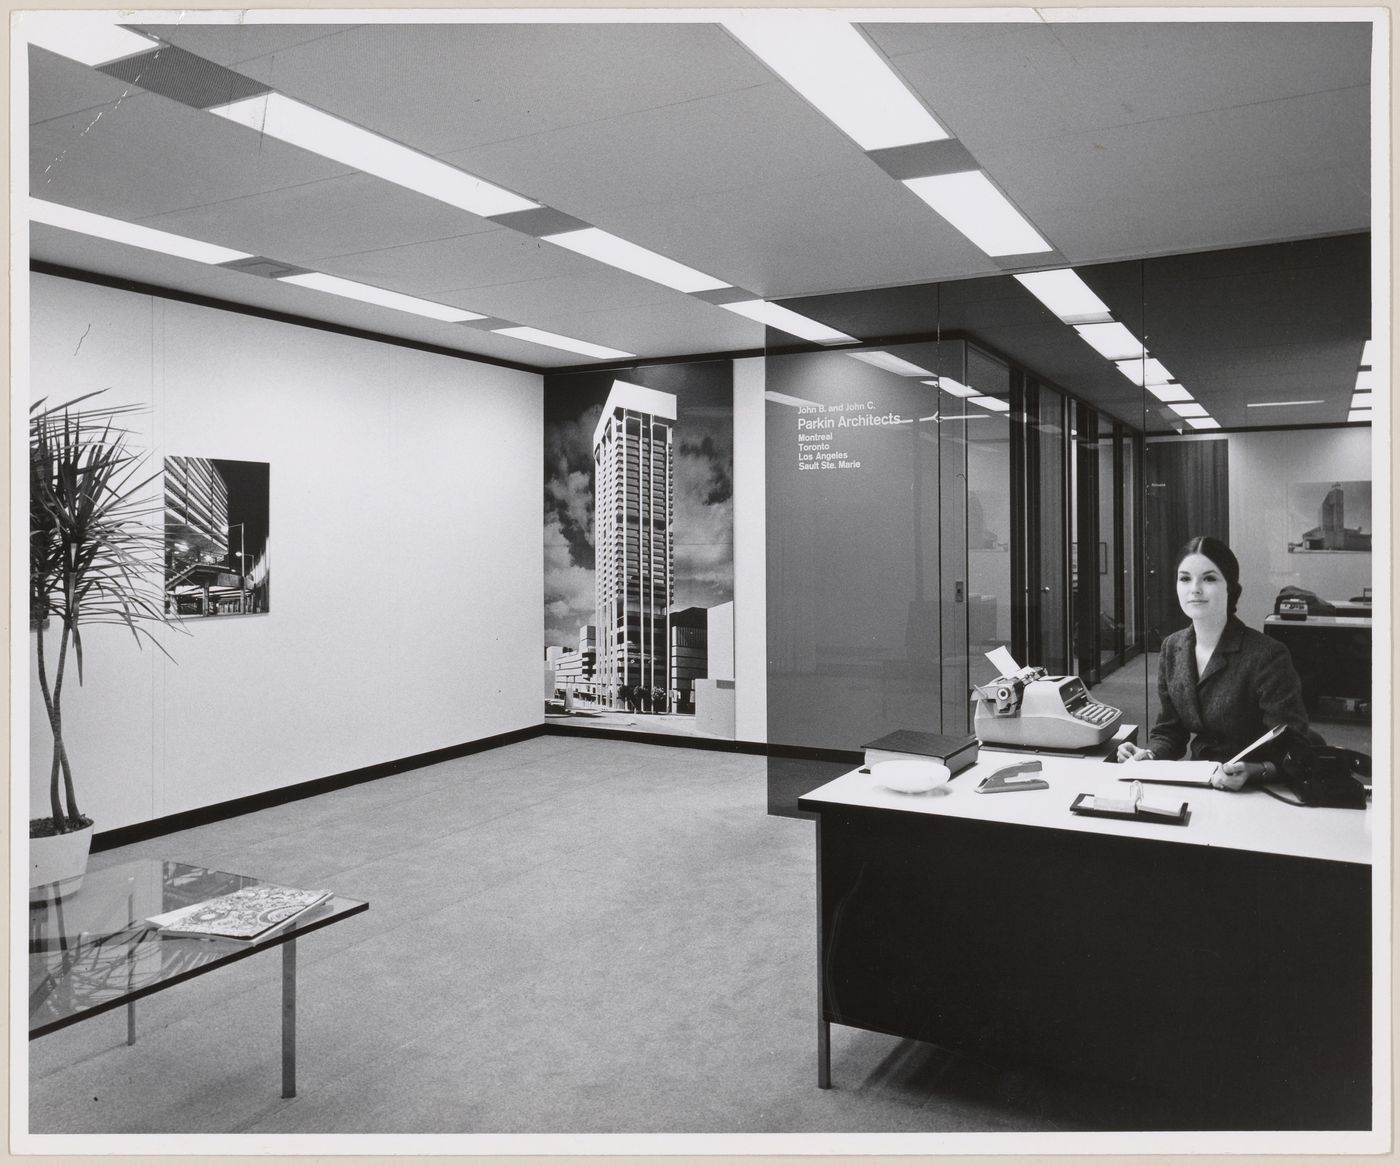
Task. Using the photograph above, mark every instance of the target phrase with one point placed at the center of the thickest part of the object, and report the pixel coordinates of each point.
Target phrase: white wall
(400, 483)
(750, 553)
(719, 635)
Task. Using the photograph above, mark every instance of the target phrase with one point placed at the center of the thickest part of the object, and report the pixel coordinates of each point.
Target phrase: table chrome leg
(823, 1025)
(130, 973)
(289, 1018)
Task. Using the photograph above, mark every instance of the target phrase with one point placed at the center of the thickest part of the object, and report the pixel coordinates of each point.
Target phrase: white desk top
(1320, 621)
(1245, 820)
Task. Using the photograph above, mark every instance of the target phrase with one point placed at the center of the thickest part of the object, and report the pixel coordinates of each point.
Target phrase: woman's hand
(1237, 773)
(1130, 752)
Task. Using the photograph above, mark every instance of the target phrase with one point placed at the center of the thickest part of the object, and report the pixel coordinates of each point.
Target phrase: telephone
(1030, 708)
(1323, 775)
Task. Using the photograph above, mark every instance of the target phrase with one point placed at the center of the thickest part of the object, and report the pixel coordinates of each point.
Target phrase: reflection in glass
(867, 557)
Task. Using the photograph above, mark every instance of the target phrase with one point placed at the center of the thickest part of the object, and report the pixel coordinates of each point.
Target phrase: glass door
(1045, 576)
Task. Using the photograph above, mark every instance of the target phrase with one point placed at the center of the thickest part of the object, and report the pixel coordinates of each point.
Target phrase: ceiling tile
(476, 83)
(1056, 78)
(309, 221)
(553, 303)
(676, 326)
(60, 88)
(232, 44)
(847, 228)
(146, 155)
(677, 152)
(497, 259)
(1196, 181)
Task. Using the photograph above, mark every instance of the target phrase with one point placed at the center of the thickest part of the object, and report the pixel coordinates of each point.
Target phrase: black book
(956, 751)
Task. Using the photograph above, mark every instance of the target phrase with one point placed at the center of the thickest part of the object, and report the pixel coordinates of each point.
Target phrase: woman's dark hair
(1222, 556)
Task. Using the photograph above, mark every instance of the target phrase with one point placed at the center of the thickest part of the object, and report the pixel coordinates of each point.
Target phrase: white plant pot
(57, 865)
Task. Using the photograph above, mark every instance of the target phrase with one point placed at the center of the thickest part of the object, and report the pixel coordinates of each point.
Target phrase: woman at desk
(1219, 683)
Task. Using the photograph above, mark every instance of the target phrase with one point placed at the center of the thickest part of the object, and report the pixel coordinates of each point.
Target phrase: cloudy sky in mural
(704, 457)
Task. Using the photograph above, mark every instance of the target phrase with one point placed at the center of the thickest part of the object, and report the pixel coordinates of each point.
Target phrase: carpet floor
(565, 935)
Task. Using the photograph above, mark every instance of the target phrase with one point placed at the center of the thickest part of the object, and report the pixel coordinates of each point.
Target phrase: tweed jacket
(1249, 685)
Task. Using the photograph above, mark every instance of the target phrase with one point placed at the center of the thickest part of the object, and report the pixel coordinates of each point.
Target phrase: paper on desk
(1003, 661)
(1264, 740)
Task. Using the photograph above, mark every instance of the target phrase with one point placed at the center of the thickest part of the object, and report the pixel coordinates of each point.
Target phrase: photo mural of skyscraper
(639, 548)
(216, 534)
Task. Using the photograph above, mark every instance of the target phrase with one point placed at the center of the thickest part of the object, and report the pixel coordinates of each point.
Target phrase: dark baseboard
(808, 753)
(141, 831)
(556, 729)
(219, 811)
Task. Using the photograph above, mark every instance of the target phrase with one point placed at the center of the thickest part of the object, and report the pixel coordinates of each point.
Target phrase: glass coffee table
(92, 951)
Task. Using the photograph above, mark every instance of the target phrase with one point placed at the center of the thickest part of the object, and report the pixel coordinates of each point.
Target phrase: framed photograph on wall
(216, 533)
(1329, 517)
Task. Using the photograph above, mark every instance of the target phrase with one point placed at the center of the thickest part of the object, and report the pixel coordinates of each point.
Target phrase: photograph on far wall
(1329, 517)
(216, 526)
(639, 549)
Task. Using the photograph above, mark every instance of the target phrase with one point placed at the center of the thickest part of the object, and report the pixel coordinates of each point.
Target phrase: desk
(1228, 961)
(93, 952)
(1332, 654)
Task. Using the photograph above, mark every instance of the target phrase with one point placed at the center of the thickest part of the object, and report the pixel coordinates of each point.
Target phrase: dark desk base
(1332, 660)
(1239, 983)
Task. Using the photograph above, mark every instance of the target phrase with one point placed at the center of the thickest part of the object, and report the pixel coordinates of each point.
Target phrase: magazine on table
(247, 914)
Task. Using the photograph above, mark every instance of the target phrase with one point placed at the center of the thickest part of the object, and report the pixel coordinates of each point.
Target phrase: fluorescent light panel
(970, 202)
(1278, 404)
(787, 399)
(956, 388)
(1144, 373)
(1168, 394)
(608, 248)
(1066, 295)
(786, 320)
(300, 125)
(1112, 341)
(1203, 423)
(891, 363)
(382, 297)
(567, 343)
(84, 37)
(835, 68)
(100, 226)
(993, 403)
(1188, 409)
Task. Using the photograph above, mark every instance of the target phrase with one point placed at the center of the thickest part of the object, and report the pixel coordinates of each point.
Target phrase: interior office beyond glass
(998, 479)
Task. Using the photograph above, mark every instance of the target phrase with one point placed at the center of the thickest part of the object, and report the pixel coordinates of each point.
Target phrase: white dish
(910, 776)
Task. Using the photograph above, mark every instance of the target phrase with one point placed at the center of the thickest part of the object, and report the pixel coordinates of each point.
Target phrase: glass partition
(867, 519)
(1248, 440)
(1193, 394)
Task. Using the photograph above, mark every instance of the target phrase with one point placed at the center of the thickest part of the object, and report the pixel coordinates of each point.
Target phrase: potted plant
(94, 558)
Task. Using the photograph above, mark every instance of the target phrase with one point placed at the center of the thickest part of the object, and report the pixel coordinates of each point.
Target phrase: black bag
(1322, 775)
